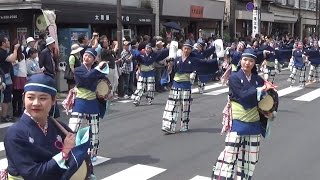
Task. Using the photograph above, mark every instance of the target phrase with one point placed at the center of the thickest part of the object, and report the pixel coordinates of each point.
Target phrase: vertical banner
(255, 22)
(50, 18)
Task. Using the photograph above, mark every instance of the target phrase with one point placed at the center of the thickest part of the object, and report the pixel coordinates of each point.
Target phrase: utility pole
(300, 21)
(317, 18)
(119, 27)
(232, 20)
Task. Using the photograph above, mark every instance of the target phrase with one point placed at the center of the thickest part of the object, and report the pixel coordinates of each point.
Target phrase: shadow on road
(204, 130)
(144, 159)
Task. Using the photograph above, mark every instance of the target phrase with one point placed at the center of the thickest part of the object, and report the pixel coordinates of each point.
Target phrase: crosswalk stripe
(217, 92)
(137, 172)
(125, 101)
(1, 146)
(100, 160)
(4, 125)
(309, 96)
(207, 87)
(288, 90)
(3, 163)
(200, 178)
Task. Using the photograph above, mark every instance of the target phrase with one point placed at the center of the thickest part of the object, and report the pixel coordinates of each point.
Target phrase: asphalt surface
(132, 138)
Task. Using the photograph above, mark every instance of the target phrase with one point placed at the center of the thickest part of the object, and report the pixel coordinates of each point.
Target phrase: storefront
(193, 15)
(17, 24)
(103, 18)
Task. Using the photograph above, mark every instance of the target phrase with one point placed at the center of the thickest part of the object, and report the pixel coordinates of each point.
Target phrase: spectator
(6, 66)
(30, 44)
(32, 62)
(126, 68)
(19, 80)
(42, 41)
(73, 62)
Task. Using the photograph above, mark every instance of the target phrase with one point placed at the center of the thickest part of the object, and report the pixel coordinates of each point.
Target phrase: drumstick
(64, 131)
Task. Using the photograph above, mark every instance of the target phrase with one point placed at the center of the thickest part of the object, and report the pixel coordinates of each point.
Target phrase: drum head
(266, 104)
(82, 172)
(103, 88)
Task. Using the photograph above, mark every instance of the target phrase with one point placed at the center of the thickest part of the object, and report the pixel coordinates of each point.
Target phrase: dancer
(180, 99)
(245, 129)
(86, 105)
(146, 80)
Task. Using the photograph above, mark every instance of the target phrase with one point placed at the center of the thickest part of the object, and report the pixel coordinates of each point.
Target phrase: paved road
(136, 148)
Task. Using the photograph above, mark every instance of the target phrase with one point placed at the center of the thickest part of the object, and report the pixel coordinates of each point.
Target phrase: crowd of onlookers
(17, 61)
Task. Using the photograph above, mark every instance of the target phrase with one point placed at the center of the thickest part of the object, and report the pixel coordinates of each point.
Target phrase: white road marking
(288, 90)
(217, 92)
(3, 163)
(1, 146)
(125, 101)
(100, 160)
(309, 96)
(207, 87)
(200, 178)
(4, 125)
(136, 172)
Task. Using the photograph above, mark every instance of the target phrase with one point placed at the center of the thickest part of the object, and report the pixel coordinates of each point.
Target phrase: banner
(50, 18)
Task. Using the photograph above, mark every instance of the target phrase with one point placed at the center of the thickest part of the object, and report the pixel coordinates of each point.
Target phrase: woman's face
(247, 64)
(105, 42)
(38, 104)
(88, 59)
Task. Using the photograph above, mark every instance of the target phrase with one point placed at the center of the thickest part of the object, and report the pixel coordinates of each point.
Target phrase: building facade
(296, 17)
(193, 15)
(19, 18)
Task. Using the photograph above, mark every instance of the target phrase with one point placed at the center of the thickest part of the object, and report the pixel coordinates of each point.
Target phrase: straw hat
(75, 48)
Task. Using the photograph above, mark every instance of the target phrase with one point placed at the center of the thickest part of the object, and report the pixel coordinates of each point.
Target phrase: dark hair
(3, 39)
(101, 40)
(81, 37)
(32, 51)
(20, 55)
(42, 35)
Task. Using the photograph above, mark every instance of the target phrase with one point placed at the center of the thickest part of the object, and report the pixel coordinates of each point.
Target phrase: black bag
(68, 74)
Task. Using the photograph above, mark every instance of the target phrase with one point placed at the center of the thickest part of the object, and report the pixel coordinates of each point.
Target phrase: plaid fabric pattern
(125, 68)
(78, 120)
(302, 75)
(3, 174)
(314, 73)
(241, 153)
(269, 74)
(145, 84)
(179, 102)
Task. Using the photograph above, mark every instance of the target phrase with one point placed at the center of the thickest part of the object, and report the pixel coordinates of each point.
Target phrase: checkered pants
(179, 102)
(269, 74)
(302, 75)
(78, 120)
(241, 153)
(145, 84)
(314, 72)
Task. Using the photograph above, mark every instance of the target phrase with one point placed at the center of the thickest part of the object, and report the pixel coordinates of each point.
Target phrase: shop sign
(196, 11)
(147, 20)
(125, 18)
(102, 17)
(9, 17)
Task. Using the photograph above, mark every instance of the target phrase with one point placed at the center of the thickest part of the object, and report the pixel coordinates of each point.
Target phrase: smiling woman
(31, 143)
